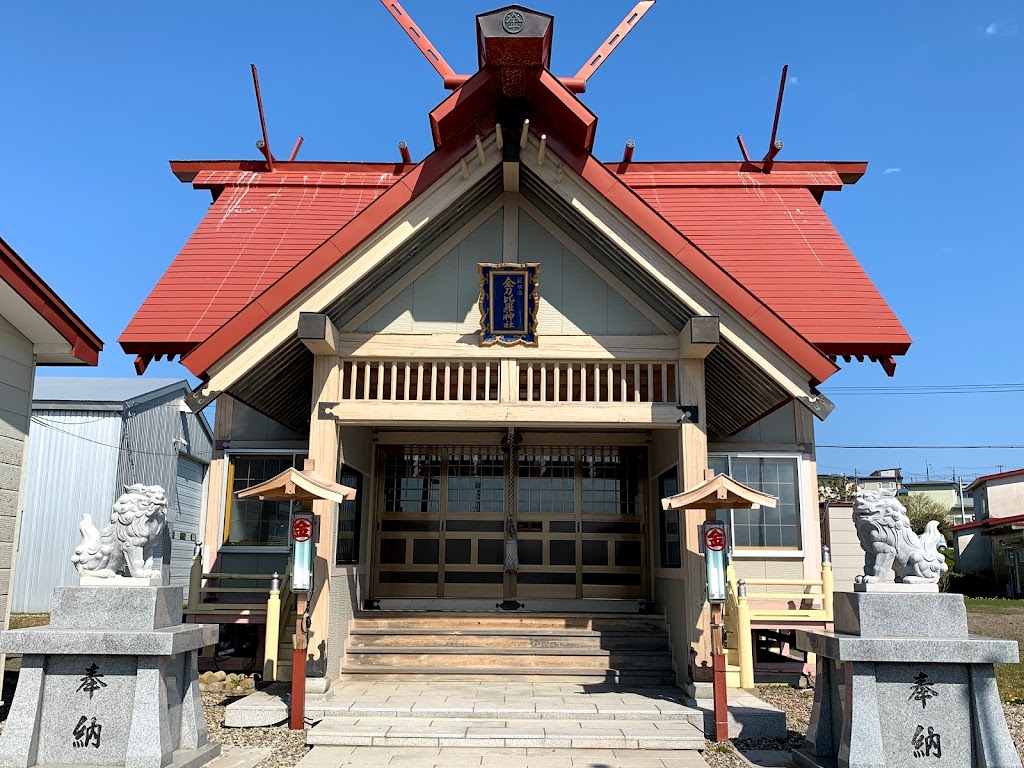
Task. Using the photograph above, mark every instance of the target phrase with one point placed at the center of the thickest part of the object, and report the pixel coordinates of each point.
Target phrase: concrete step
(506, 638)
(749, 717)
(586, 658)
(605, 622)
(479, 732)
(559, 674)
(524, 709)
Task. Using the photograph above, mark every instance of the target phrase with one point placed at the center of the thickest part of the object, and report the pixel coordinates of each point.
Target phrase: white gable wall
(574, 300)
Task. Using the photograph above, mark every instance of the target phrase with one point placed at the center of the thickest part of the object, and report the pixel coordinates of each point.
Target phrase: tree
(835, 488)
(922, 508)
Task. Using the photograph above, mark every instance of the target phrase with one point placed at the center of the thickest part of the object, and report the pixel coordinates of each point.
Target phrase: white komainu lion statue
(137, 520)
(890, 543)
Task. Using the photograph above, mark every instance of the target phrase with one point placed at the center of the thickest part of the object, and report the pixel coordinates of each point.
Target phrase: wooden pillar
(696, 341)
(320, 336)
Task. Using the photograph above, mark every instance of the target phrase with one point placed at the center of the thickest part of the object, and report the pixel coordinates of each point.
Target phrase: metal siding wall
(149, 455)
(188, 513)
(71, 468)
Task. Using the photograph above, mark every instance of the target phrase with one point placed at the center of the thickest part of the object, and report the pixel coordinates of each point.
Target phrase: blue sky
(97, 97)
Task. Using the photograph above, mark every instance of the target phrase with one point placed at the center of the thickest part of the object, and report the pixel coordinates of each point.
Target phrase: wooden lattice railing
(531, 381)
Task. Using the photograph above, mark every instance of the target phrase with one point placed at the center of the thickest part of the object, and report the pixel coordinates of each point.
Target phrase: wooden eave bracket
(720, 492)
(817, 404)
(200, 397)
(300, 485)
(318, 333)
(699, 337)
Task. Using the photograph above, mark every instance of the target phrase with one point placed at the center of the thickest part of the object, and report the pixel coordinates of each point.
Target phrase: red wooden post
(297, 715)
(718, 670)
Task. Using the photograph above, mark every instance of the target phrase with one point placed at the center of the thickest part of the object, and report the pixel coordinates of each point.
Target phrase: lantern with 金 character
(714, 540)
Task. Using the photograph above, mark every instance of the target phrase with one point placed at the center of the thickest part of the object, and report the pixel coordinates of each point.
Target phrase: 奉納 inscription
(921, 690)
(91, 682)
(87, 732)
(926, 743)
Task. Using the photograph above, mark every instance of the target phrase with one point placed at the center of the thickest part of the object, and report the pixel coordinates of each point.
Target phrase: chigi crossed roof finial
(529, 28)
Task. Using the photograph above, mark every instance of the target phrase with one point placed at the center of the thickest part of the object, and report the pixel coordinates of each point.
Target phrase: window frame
(761, 553)
(359, 512)
(222, 530)
(662, 518)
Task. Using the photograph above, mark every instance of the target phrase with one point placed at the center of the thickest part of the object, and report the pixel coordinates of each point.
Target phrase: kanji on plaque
(714, 538)
(302, 528)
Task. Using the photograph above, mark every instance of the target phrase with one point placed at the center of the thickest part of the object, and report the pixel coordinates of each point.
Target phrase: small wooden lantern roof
(719, 492)
(296, 485)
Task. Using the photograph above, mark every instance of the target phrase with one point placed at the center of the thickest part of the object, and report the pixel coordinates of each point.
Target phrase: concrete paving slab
(240, 757)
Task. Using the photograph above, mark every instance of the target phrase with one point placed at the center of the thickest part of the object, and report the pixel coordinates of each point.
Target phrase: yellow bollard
(195, 582)
(744, 644)
(273, 635)
(827, 584)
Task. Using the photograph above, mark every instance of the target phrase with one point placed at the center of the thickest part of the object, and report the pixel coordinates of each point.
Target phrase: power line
(117, 448)
(925, 447)
(928, 389)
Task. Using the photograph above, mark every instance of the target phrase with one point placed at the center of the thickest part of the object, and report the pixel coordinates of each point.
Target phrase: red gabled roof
(769, 232)
(259, 227)
(85, 345)
(998, 476)
(271, 235)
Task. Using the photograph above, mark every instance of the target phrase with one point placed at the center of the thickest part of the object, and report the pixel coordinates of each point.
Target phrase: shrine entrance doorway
(560, 522)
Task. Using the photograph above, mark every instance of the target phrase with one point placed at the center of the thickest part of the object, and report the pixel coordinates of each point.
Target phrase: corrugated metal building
(90, 437)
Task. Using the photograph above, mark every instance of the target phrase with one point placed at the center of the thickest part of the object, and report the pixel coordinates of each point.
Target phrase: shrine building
(513, 351)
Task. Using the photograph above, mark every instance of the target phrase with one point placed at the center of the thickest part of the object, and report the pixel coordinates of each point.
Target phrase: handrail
(277, 609)
(739, 614)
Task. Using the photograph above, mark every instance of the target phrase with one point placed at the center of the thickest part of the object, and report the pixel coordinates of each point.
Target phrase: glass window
(777, 528)
(252, 521)
(476, 483)
(546, 482)
(611, 481)
(349, 517)
(670, 537)
(412, 482)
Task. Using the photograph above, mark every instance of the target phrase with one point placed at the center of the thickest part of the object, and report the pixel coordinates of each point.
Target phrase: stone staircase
(626, 649)
(476, 682)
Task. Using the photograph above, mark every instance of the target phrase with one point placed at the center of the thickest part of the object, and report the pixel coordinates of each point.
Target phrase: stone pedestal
(900, 682)
(112, 681)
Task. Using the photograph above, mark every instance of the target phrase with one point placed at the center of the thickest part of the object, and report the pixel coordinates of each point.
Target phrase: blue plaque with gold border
(509, 300)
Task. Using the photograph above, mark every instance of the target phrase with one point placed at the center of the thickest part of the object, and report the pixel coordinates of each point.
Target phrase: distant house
(993, 543)
(950, 494)
(90, 438)
(36, 328)
(881, 479)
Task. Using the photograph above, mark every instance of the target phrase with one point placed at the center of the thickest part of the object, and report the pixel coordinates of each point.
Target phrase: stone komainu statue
(890, 543)
(136, 522)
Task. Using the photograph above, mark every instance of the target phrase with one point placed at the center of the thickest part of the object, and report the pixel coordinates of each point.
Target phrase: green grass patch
(994, 605)
(1010, 678)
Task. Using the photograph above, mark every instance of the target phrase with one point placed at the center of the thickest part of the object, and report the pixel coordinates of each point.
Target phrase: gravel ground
(289, 746)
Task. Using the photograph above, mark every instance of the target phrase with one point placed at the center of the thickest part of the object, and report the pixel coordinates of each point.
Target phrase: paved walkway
(500, 700)
(502, 724)
(526, 757)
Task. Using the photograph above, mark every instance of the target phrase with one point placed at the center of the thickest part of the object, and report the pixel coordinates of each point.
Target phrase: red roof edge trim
(187, 170)
(703, 267)
(85, 345)
(850, 172)
(989, 522)
(420, 178)
(998, 476)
